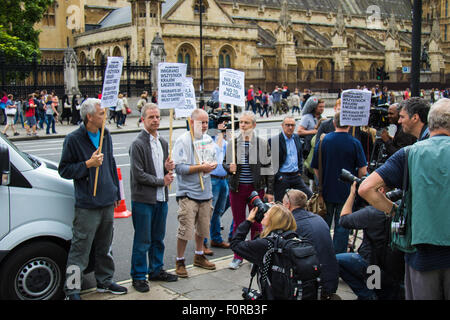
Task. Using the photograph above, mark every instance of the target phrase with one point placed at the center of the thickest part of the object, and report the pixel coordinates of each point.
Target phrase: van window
(35, 163)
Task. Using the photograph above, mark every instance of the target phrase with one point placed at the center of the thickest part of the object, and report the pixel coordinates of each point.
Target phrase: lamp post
(127, 46)
(202, 102)
(416, 45)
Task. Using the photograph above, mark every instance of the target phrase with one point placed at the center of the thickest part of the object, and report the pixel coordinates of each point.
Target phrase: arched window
(117, 52)
(224, 59)
(185, 57)
(320, 70)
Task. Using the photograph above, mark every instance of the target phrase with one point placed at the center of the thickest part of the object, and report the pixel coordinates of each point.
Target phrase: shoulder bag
(316, 204)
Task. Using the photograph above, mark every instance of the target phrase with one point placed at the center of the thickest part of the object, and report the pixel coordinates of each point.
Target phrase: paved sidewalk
(219, 284)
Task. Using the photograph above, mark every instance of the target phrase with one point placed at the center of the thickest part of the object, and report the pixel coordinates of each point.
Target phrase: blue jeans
(16, 118)
(149, 221)
(220, 194)
(50, 120)
(353, 270)
(340, 237)
(40, 116)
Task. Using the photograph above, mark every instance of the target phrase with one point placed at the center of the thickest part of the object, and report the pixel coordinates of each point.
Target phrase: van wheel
(35, 271)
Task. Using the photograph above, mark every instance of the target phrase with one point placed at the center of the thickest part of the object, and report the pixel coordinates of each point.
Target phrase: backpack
(291, 269)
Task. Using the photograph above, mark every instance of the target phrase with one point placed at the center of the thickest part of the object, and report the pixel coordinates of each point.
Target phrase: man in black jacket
(290, 160)
(315, 229)
(94, 215)
(374, 250)
(150, 174)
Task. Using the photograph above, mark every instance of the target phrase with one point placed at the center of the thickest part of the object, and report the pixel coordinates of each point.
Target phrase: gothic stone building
(320, 44)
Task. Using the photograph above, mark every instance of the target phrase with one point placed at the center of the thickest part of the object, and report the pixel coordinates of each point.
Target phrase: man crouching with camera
(374, 250)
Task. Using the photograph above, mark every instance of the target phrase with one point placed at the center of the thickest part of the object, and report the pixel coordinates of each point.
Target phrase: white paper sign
(171, 85)
(189, 97)
(111, 83)
(355, 107)
(231, 87)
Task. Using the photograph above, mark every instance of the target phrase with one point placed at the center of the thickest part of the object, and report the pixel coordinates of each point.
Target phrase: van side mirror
(5, 166)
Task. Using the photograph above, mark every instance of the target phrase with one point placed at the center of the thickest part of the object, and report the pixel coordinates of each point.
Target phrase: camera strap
(405, 184)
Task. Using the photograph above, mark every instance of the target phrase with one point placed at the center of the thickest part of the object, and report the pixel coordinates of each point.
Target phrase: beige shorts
(193, 216)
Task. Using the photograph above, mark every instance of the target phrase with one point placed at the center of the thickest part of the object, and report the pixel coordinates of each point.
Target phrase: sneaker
(235, 264)
(223, 244)
(5, 135)
(201, 261)
(164, 276)
(141, 285)
(113, 288)
(119, 126)
(73, 296)
(181, 269)
(16, 134)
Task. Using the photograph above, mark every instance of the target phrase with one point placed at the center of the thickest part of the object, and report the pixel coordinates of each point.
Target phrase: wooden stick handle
(233, 144)
(200, 175)
(100, 150)
(170, 139)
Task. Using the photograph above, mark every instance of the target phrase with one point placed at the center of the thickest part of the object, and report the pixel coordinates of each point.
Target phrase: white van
(36, 214)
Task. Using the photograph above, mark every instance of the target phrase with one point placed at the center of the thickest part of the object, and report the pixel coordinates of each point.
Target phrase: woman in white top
(119, 112)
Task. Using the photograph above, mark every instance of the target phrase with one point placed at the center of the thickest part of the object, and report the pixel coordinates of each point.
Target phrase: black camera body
(347, 177)
(256, 201)
(251, 294)
(378, 117)
(216, 118)
(394, 195)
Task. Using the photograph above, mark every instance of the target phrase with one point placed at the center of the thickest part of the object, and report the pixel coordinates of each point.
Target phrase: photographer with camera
(374, 250)
(249, 171)
(312, 227)
(277, 218)
(400, 139)
(426, 231)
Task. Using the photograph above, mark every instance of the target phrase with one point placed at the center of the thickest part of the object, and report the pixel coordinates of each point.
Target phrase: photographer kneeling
(374, 250)
(287, 267)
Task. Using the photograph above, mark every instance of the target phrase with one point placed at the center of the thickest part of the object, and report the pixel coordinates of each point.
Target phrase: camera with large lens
(251, 294)
(256, 201)
(394, 195)
(347, 177)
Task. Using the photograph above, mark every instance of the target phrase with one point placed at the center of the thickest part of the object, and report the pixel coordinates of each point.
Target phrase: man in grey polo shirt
(194, 160)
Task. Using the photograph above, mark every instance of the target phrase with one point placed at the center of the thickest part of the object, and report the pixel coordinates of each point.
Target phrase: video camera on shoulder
(216, 118)
(378, 117)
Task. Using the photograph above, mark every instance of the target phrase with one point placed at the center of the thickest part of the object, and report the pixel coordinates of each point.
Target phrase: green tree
(18, 39)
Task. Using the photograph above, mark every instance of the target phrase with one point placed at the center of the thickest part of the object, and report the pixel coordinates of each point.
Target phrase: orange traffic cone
(121, 211)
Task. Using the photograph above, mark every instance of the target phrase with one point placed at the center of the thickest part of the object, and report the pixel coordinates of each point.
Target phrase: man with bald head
(312, 227)
(400, 139)
(194, 160)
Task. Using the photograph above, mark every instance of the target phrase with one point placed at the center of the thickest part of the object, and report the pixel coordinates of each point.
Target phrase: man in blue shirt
(220, 192)
(339, 151)
(290, 160)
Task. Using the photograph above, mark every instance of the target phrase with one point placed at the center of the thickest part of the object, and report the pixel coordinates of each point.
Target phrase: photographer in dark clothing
(313, 228)
(276, 218)
(400, 139)
(374, 250)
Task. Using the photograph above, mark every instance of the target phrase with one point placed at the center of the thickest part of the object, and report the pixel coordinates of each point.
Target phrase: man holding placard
(194, 158)
(94, 215)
